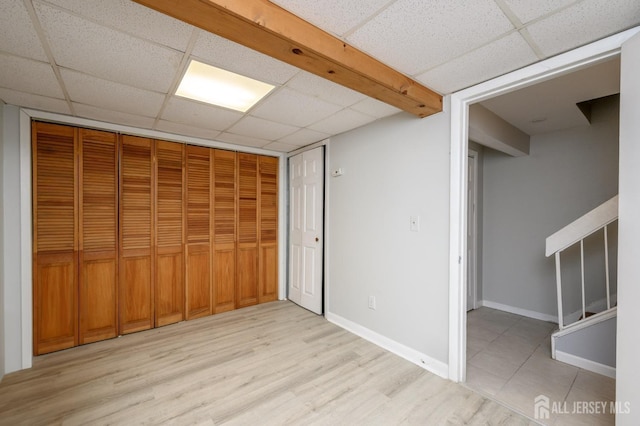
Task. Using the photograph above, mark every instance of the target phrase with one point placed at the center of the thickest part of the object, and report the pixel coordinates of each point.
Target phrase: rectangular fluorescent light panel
(216, 86)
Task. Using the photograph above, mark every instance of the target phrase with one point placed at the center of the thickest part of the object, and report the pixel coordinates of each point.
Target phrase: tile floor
(509, 359)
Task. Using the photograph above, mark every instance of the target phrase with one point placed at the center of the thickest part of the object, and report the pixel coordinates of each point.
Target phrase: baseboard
(519, 311)
(586, 364)
(432, 365)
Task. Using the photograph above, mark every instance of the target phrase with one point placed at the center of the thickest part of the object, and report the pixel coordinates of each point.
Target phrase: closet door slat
(247, 249)
(268, 212)
(55, 228)
(198, 208)
(169, 288)
(136, 234)
(224, 257)
(98, 221)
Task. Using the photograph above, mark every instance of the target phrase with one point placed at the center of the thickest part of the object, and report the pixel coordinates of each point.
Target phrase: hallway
(509, 359)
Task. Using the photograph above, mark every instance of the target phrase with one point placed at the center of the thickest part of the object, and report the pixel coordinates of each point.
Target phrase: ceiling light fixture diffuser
(206, 83)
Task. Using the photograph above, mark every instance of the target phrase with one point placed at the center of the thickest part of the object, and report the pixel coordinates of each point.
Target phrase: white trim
(460, 101)
(283, 190)
(432, 365)
(592, 320)
(136, 131)
(295, 152)
(26, 253)
(586, 364)
(327, 235)
(582, 227)
(519, 311)
(474, 291)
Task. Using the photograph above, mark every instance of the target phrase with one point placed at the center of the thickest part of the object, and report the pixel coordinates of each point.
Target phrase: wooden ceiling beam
(269, 29)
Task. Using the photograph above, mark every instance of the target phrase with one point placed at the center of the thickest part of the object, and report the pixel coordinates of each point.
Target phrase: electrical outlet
(372, 302)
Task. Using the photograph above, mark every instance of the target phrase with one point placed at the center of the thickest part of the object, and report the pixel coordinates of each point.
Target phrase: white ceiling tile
(261, 128)
(186, 130)
(29, 76)
(324, 89)
(280, 147)
(242, 140)
(29, 100)
(132, 18)
(375, 108)
(415, 35)
(527, 10)
(88, 111)
(180, 110)
(304, 137)
(105, 94)
(497, 58)
(335, 16)
(294, 108)
(582, 23)
(344, 120)
(234, 57)
(18, 34)
(85, 46)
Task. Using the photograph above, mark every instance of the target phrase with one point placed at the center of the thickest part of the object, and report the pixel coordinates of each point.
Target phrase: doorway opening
(582, 58)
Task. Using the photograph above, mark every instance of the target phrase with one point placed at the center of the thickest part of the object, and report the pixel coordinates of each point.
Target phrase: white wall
(11, 246)
(479, 212)
(628, 353)
(596, 343)
(394, 168)
(1, 240)
(12, 243)
(526, 199)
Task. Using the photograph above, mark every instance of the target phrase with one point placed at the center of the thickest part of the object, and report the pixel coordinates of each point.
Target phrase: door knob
(317, 239)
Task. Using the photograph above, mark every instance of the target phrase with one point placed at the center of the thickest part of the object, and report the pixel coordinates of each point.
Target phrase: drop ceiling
(119, 62)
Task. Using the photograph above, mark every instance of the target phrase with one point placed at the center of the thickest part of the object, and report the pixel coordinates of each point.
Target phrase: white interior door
(472, 231)
(306, 204)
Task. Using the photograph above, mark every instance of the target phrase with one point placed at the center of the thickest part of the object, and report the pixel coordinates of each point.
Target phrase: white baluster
(606, 266)
(559, 290)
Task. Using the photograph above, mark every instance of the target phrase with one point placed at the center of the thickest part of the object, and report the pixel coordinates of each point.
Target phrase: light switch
(414, 223)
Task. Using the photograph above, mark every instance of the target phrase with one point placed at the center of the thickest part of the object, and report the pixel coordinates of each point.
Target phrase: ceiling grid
(121, 62)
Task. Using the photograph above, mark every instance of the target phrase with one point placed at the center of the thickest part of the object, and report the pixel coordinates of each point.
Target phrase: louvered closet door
(247, 249)
(268, 214)
(224, 256)
(198, 247)
(169, 289)
(98, 213)
(55, 291)
(136, 234)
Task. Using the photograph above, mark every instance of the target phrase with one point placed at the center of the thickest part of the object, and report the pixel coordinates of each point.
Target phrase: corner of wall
(2, 338)
(11, 309)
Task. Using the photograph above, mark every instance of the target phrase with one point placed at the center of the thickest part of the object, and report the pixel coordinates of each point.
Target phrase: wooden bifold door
(75, 259)
(132, 233)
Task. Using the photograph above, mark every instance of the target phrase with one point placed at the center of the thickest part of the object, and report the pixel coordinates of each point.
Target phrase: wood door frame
(473, 261)
(556, 66)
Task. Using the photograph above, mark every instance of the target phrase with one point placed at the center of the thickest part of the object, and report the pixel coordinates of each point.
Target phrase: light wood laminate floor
(270, 364)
